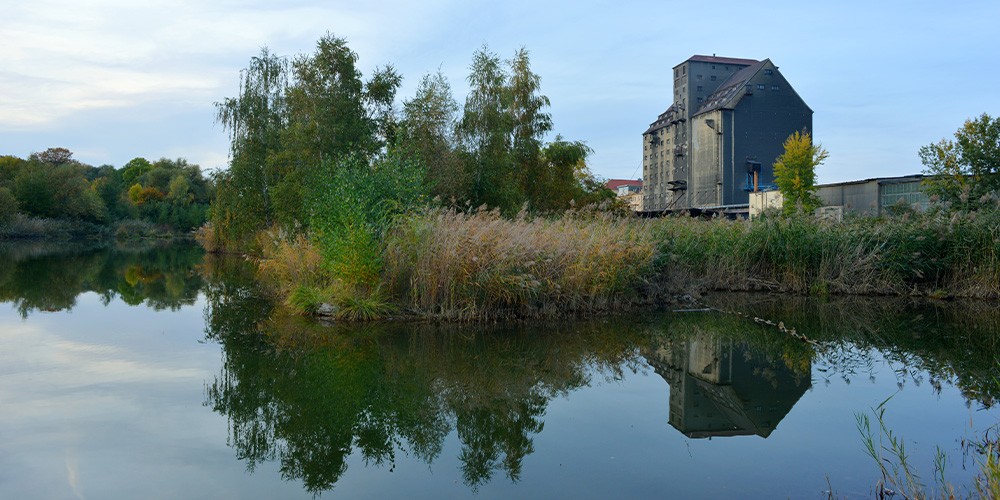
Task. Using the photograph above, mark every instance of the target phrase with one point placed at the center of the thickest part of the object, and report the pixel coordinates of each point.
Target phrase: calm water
(149, 372)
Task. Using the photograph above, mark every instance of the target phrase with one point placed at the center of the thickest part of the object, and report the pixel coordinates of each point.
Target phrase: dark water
(152, 372)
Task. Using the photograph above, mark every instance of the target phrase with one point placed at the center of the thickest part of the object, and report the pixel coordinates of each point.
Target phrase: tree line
(316, 147)
(51, 184)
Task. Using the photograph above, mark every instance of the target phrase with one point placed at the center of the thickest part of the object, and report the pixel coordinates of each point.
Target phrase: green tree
(566, 169)
(8, 206)
(53, 156)
(795, 172)
(530, 125)
(255, 120)
(9, 167)
(485, 130)
(967, 169)
(60, 191)
(427, 133)
(134, 169)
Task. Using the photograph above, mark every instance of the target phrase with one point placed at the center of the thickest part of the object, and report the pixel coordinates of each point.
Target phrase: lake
(154, 371)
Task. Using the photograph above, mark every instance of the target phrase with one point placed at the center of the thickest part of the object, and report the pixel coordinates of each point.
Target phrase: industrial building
(728, 121)
(876, 196)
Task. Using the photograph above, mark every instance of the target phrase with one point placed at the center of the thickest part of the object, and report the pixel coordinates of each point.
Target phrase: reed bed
(937, 254)
(445, 264)
(465, 266)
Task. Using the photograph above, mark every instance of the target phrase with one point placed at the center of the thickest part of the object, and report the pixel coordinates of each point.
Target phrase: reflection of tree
(49, 277)
(956, 343)
(309, 396)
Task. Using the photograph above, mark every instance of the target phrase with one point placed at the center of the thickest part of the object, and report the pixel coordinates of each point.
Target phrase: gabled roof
(732, 91)
(613, 184)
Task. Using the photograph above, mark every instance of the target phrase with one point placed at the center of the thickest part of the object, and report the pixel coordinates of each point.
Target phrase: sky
(112, 80)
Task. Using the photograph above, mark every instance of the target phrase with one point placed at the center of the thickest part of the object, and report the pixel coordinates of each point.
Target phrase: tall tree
(255, 119)
(427, 132)
(795, 172)
(486, 129)
(530, 124)
(963, 171)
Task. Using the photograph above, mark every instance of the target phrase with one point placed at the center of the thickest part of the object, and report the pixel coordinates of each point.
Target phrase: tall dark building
(729, 117)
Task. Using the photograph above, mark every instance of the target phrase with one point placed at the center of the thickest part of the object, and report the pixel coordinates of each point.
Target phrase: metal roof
(730, 89)
(721, 60)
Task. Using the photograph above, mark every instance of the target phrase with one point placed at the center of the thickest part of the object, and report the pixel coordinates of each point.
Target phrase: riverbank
(24, 227)
(442, 264)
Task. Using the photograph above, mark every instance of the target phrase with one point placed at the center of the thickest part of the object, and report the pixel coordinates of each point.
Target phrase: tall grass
(938, 253)
(479, 265)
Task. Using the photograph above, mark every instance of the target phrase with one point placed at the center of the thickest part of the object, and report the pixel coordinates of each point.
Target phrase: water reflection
(310, 396)
(925, 342)
(721, 387)
(41, 276)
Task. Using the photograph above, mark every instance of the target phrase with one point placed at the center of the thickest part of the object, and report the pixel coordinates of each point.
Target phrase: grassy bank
(440, 263)
(936, 254)
(24, 227)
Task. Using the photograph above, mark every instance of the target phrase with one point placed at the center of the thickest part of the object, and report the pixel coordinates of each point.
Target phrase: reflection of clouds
(72, 475)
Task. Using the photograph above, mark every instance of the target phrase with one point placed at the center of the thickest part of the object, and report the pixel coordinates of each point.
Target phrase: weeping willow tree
(255, 120)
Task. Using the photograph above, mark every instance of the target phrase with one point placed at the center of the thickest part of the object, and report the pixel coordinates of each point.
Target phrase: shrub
(8, 206)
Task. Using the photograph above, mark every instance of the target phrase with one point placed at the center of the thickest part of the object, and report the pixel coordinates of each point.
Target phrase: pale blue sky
(116, 79)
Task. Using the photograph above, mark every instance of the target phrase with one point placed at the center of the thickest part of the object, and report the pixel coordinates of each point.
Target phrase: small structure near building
(628, 190)
(875, 196)
(763, 200)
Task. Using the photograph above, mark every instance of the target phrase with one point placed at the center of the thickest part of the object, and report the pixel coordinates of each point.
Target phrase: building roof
(729, 92)
(880, 180)
(613, 184)
(721, 60)
(662, 120)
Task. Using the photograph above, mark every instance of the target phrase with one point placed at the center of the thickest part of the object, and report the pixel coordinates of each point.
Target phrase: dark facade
(728, 115)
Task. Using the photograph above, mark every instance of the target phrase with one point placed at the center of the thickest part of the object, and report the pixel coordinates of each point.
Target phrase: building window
(699, 77)
(760, 86)
(699, 100)
(775, 87)
(768, 72)
(713, 78)
(699, 88)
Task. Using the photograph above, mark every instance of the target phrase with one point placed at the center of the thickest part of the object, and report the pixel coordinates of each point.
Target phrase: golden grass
(481, 266)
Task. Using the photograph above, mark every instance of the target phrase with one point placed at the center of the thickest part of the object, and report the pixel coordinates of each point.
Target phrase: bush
(8, 206)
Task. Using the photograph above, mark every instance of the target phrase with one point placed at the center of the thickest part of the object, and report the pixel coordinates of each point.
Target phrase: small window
(760, 86)
(713, 66)
(713, 78)
(699, 100)
(775, 87)
(768, 72)
(699, 88)
(699, 77)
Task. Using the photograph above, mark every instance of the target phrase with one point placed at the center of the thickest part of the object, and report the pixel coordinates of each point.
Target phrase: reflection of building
(718, 388)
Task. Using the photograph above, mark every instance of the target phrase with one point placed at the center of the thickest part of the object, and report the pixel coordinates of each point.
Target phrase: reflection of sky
(107, 403)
